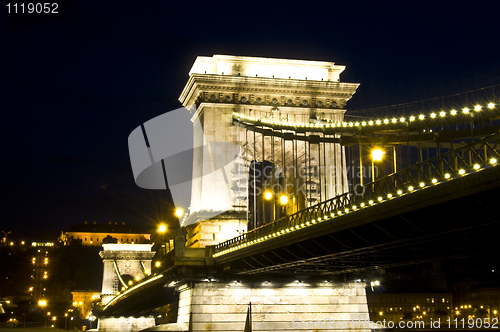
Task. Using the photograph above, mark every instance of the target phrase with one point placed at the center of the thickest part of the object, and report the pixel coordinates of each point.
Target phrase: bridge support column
(275, 306)
(125, 324)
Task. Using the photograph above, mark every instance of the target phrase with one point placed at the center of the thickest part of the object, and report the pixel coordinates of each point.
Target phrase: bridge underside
(143, 301)
(448, 221)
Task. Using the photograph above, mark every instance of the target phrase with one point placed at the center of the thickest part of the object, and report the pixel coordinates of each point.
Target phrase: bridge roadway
(426, 203)
(443, 208)
(453, 219)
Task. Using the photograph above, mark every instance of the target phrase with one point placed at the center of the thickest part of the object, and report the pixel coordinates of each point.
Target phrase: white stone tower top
(267, 67)
(127, 247)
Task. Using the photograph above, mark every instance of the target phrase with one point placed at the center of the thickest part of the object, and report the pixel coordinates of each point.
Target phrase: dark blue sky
(73, 88)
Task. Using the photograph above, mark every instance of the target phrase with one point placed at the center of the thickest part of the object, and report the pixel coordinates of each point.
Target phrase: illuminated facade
(92, 234)
(83, 300)
(410, 306)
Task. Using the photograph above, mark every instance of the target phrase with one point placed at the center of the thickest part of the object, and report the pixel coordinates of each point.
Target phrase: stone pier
(125, 324)
(276, 306)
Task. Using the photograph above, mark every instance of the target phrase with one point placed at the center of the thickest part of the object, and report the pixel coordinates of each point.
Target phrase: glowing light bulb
(453, 112)
(421, 117)
(377, 154)
(442, 114)
(461, 172)
(491, 105)
(477, 108)
(402, 119)
(476, 166)
(412, 118)
(433, 115)
(465, 110)
(493, 161)
(447, 176)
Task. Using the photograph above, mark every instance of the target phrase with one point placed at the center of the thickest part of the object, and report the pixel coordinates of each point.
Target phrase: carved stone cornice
(126, 255)
(265, 91)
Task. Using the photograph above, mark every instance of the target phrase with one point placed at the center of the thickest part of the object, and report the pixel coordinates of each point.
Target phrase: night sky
(73, 87)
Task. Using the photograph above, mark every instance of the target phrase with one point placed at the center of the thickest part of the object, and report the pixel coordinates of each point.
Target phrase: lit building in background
(410, 306)
(92, 234)
(478, 302)
(83, 300)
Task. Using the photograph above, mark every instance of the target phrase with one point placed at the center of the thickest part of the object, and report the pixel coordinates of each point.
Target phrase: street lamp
(162, 228)
(377, 155)
(283, 201)
(43, 304)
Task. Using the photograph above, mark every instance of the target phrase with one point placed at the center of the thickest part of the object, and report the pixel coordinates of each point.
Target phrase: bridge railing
(455, 163)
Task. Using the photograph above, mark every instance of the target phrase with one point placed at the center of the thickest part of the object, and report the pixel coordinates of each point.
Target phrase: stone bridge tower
(124, 264)
(279, 90)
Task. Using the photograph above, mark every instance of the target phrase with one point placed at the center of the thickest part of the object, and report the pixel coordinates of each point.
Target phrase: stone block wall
(292, 306)
(125, 324)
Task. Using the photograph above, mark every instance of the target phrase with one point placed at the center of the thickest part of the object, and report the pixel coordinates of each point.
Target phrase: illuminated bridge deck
(423, 207)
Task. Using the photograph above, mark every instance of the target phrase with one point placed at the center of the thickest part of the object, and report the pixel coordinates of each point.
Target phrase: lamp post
(43, 304)
(377, 155)
(267, 195)
(162, 229)
(283, 201)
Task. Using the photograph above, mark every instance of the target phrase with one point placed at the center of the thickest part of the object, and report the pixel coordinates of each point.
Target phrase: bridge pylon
(124, 265)
(306, 170)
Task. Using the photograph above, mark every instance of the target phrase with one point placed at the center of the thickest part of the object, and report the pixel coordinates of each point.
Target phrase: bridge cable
(143, 268)
(118, 274)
